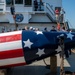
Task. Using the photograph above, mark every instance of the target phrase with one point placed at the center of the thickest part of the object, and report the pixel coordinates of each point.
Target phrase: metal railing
(50, 11)
(50, 8)
(47, 8)
(39, 6)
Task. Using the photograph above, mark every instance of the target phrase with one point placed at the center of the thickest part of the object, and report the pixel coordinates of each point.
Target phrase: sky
(69, 7)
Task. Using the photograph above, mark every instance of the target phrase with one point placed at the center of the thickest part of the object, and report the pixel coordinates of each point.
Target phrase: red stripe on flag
(13, 65)
(11, 54)
(10, 38)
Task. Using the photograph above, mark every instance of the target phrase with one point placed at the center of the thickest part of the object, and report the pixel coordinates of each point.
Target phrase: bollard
(53, 64)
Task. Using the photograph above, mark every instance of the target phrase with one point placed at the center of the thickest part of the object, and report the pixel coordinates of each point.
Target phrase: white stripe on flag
(11, 45)
(10, 33)
(12, 61)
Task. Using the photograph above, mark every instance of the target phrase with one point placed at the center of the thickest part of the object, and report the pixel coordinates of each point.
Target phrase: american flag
(11, 51)
(24, 47)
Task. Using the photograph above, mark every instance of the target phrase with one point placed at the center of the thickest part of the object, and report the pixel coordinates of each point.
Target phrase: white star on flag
(58, 49)
(40, 52)
(69, 35)
(60, 35)
(27, 43)
(38, 32)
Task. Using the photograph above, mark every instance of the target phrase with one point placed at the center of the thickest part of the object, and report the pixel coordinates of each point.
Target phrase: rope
(61, 41)
(47, 66)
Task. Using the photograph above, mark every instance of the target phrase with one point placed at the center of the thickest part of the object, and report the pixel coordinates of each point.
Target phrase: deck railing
(46, 7)
(39, 6)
